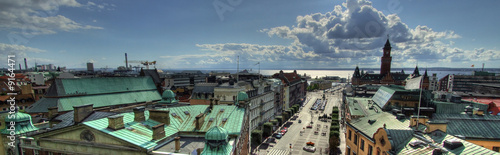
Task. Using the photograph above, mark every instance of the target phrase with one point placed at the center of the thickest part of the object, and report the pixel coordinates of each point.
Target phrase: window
(348, 152)
(355, 139)
(496, 149)
(362, 145)
(370, 150)
(36, 152)
(349, 135)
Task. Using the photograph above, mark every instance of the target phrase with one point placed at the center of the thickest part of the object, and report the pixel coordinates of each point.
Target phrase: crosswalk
(279, 152)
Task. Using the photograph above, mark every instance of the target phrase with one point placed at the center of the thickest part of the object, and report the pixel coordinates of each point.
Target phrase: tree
(280, 120)
(256, 137)
(275, 122)
(267, 129)
(334, 141)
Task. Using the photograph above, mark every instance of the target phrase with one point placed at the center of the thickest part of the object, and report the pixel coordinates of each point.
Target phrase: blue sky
(280, 34)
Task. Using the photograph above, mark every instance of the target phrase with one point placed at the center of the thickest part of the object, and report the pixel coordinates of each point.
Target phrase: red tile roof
(493, 102)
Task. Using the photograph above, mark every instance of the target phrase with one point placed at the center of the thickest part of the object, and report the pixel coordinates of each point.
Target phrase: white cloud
(38, 17)
(20, 53)
(348, 35)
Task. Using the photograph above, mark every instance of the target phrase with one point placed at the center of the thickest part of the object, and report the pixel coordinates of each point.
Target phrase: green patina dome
(168, 94)
(18, 117)
(216, 133)
(242, 96)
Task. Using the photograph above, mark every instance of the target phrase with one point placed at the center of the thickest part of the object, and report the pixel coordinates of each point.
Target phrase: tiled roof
(471, 126)
(467, 148)
(140, 133)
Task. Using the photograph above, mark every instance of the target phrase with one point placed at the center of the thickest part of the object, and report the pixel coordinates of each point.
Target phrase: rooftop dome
(168, 94)
(242, 96)
(216, 133)
(18, 117)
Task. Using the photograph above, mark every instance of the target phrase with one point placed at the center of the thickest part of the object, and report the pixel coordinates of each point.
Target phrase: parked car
(278, 136)
(309, 126)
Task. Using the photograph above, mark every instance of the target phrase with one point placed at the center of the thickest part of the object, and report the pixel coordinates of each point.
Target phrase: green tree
(256, 137)
(267, 129)
(334, 141)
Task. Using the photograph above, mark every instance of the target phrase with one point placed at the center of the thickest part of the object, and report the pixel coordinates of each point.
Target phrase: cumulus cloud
(20, 52)
(350, 34)
(38, 17)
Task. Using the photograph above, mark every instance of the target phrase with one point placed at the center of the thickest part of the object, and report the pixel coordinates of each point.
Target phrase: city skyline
(211, 34)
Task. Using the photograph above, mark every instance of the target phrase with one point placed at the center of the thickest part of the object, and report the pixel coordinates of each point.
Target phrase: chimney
(161, 116)
(126, 62)
(81, 112)
(200, 119)
(216, 101)
(25, 64)
(159, 131)
(52, 112)
(436, 125)
(139, 114)
(177, 144)
(480, 113)
(116, 122)
(211, 106)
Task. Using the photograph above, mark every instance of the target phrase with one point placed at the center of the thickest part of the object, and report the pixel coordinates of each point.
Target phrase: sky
(277, 34)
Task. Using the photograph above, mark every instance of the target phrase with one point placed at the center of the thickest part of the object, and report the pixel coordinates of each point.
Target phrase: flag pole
(419, 99)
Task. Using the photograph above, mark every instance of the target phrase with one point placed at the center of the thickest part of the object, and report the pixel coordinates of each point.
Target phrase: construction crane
(145, 63)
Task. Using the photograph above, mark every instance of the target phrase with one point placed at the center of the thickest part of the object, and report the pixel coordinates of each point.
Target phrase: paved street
(298, 141)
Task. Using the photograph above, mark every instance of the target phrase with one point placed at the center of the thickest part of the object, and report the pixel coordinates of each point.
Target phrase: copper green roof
(216, 133)
(66, 93)
(368, 129)
(456, 108)
(471, 126)
(168, 97)
(167, 94)
(242, 96)
(467, 148)
(23, 123)
(225, 150)
(181, 119)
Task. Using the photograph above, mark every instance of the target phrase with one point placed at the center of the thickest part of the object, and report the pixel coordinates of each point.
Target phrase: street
(297, 140)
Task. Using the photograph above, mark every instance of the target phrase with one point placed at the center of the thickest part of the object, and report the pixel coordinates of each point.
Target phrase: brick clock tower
(385, 67)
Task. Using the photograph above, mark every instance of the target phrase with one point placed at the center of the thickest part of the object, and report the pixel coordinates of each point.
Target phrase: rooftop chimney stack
(81, 112)
(139, 114)
(25, 64)
(116, 122)
(52, 112)
(161, 116)
(126, 62)
(200, 119)
(177, 144)
(158, 131)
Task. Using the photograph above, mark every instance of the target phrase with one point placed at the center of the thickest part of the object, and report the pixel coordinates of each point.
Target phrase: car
(283, 132)
(309, 126)
(309, 148)
(278, 136)
(300, 121)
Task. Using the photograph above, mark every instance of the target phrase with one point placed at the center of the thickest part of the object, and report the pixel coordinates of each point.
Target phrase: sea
(347, 73)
